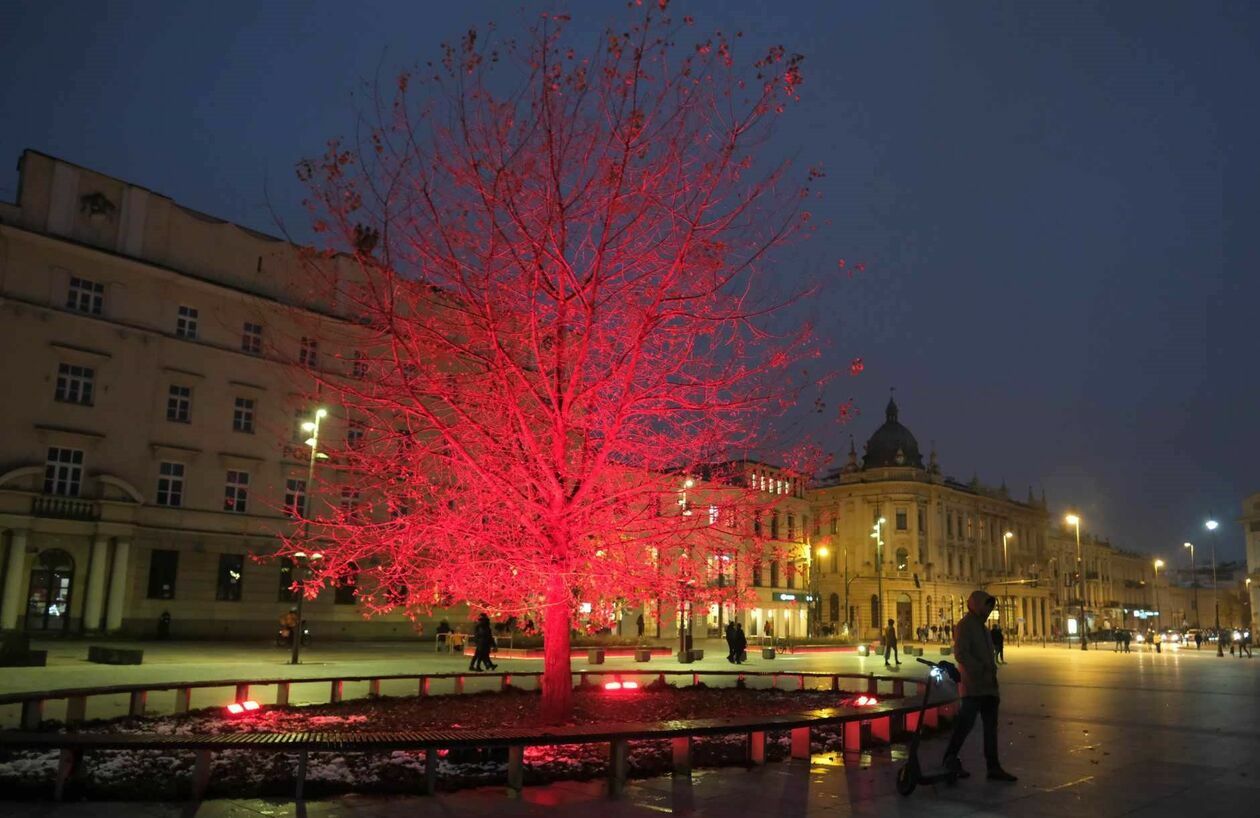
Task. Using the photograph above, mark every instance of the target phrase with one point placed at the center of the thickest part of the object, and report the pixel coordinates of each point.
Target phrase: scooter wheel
(905, 780)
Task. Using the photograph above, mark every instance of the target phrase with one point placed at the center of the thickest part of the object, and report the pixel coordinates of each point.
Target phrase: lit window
(231, 572)
(236, 492)
(74, 384)
(243, 415)
(251, 338)
(349, 500)
(186, 323)
(179, 404)
(359, 367)
(85, 296)
(354, 434)
(63, 471)
(713, 515)
(903, 523)
(170, 485)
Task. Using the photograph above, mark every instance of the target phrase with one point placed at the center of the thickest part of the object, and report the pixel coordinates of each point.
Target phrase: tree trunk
(557, 679)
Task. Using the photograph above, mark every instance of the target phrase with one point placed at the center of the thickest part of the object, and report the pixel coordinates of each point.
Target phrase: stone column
(14, 581)
(94, 602)
(117, 586)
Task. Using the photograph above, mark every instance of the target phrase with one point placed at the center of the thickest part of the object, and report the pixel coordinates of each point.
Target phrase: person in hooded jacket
(730, 642)
(483, 641)
(978, 690)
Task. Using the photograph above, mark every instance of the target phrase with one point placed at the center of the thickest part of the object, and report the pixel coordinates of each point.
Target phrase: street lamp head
(822, 551)
(1159, 563)
(1211, 525)
(1072, 519)
(299, 555)
(308, 426)
(1189, 545)
(310, 441)
(321, 413)
(688, 483)
(316, 556)
(1006, 535)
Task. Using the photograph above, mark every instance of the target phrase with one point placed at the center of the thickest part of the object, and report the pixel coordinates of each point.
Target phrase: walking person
(973, 648)
(741, 644)
(999, 643)
(730, 643)
(1245, 644)
(638, 624)
(1198, 640)
(890, 644)
(1128, 637)
(483, 641)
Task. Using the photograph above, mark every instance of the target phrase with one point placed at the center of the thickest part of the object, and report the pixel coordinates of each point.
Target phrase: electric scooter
(911, 774)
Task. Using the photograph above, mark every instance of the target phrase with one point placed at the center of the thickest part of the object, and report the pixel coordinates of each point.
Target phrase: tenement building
(156, 359)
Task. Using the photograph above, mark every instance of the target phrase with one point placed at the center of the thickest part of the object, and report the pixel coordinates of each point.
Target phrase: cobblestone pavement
(1095, 734)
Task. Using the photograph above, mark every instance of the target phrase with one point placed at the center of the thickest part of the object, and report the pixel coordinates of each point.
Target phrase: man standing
(973, 648)
(731, 649)
(890, 644)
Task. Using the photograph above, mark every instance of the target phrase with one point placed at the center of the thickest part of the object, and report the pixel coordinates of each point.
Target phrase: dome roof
(892, 444)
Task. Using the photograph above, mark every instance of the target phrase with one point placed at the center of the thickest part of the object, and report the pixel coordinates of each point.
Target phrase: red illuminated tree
(565, 302)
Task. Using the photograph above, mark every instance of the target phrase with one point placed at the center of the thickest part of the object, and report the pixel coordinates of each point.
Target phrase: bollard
(516, 770)
(32, 713)
(800, 742)
(851, 739)
(757, 747)
(618, 766)
(681, 751)
(76, 709)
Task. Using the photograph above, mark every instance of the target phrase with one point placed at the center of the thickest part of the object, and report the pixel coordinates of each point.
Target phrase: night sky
(1056, 202)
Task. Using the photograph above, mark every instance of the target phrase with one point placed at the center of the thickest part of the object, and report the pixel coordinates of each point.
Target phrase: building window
(346, 588)
(170, 485)
(359, 368)
(74, 384)
(757, 524)
(179, 404)
(774, 525)
(791, 526)
(774, 574)
(835, 524)
(287, 592)
(756, 573)
(354, 434)
(349, 501)
(903, 523)
(63, 471)
(251, 338)
(903, 559)
(186, 323)
(243, 415)
(713, 515)
(949, 524)
(308, 353)
(162, 568)
(231, 571)
(834, 555)
(85, 296)
(791, 575)
(817, 525)
(236, 492)
(295, 497)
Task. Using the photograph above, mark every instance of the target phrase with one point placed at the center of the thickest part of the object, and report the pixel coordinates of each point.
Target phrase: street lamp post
(1006, 569)
(1211, 526)
(1194, 578)
(878, 536)
(301, 564)
(1158, 616)
(816, 556)
(1075, 521)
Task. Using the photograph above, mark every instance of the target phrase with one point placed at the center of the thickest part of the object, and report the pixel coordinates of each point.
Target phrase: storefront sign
(781, 596)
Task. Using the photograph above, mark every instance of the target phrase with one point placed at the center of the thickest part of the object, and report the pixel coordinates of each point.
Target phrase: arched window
(903, 559)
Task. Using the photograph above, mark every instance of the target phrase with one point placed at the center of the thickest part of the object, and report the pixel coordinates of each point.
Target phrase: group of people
(483, 642)
(736, 643)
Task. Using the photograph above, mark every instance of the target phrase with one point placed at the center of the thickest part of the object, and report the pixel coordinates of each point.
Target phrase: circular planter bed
(152, 775)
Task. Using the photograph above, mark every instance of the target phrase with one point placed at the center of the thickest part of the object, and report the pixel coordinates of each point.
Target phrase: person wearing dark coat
(741, 643)
(483, 640)
(729, 635)
(999, 643)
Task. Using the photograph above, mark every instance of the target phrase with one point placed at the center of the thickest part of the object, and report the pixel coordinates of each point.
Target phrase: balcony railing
(63, 508)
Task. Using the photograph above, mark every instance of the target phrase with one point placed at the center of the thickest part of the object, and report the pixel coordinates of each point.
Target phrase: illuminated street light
(1158, 616)
(1075, 521)
(301, 562)
(1006, 569)
(878, 536)
(1211, 526)
(1194, 577)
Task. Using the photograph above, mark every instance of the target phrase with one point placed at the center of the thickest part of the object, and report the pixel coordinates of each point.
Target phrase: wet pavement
(1096, 734)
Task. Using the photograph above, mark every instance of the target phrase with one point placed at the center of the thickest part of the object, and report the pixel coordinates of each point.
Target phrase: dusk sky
(1056, 202)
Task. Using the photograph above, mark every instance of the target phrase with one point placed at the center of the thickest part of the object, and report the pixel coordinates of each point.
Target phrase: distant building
(1251, 583)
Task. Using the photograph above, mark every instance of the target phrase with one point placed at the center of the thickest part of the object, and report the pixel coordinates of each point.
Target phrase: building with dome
(894, 527)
